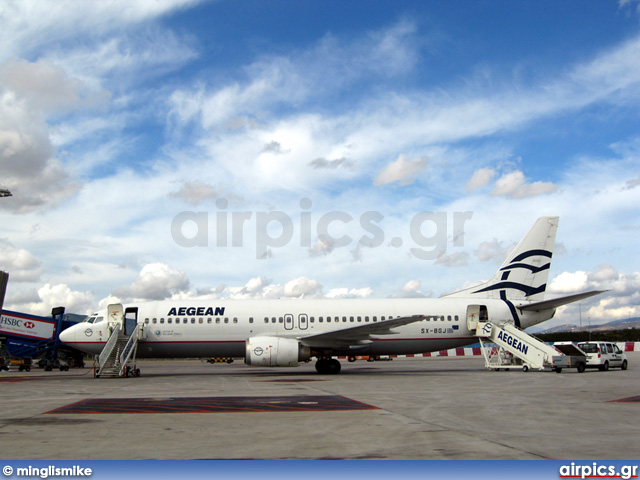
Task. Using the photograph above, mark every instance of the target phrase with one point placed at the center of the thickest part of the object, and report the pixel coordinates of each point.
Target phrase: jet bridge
(517, 349)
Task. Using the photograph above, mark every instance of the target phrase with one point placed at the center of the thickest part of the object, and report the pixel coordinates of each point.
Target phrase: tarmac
(420, 408)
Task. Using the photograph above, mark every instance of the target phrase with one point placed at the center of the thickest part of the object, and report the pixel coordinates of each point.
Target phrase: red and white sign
(24, 325)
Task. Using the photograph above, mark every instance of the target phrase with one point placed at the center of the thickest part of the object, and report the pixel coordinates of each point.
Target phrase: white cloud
(28, 91)
(490, 251)
(156, 281)
(402, 170)
(569, 283)
(349, 292)
(514, 185)
(50, 296)
(324, 246)
(457, 259)
(21, 265)
(302, 287)
(411, 289)
(195, 192)
(480, 178)
(28, 24)
(621, 299)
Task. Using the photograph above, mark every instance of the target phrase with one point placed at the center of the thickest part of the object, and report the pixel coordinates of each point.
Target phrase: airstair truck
(517, 349)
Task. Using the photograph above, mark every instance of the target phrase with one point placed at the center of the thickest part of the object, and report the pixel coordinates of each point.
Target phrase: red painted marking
(635, 399)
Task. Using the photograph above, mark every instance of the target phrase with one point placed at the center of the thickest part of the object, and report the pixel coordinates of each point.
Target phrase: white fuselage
(220, 328)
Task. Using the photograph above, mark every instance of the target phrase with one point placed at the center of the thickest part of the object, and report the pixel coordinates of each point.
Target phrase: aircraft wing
(358, 335)
(558, 302)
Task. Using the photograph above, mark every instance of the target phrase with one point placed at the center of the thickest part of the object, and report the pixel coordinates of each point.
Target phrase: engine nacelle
(275, 352)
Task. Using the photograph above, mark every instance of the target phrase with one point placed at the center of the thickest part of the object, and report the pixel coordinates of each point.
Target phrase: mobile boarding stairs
(118, 356)
(515, 348)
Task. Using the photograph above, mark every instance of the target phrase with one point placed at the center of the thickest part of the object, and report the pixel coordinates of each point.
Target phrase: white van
(604, 355)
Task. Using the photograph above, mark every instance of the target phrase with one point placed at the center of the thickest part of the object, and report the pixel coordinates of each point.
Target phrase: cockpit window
(90, 318)
(99, 319)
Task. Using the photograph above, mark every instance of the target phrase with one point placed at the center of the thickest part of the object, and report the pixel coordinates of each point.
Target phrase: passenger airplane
(283, 333)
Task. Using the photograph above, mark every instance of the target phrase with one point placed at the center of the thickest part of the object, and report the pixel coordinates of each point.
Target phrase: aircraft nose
(68, 335)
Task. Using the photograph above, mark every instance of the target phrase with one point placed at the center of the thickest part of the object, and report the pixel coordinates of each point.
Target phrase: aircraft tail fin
(524, 274)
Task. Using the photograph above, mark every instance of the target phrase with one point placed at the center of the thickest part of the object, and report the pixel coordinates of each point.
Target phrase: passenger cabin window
(250, 319)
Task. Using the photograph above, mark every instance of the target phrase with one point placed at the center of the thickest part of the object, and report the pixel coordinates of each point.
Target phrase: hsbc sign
(23, 325)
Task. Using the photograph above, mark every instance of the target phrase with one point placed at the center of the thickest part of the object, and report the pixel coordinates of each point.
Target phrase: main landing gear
(327, 366)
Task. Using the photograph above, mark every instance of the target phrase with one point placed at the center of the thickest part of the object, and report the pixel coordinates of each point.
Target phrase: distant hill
(623, 324)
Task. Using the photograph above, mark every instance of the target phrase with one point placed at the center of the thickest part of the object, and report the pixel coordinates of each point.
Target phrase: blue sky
(119, 118)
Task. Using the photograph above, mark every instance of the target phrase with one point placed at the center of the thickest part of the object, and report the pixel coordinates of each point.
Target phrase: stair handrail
(546, 352)
(128, 350)
(109, 346)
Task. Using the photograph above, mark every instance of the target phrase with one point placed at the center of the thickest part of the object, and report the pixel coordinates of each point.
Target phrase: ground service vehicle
(604, 355)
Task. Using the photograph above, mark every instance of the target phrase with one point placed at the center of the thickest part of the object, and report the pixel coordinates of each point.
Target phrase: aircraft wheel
(328, 366)
(352, 359)
(334, 366)
(321, 366)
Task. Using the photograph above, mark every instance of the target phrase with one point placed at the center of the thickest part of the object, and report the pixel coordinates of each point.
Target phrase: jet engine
(275, 352)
